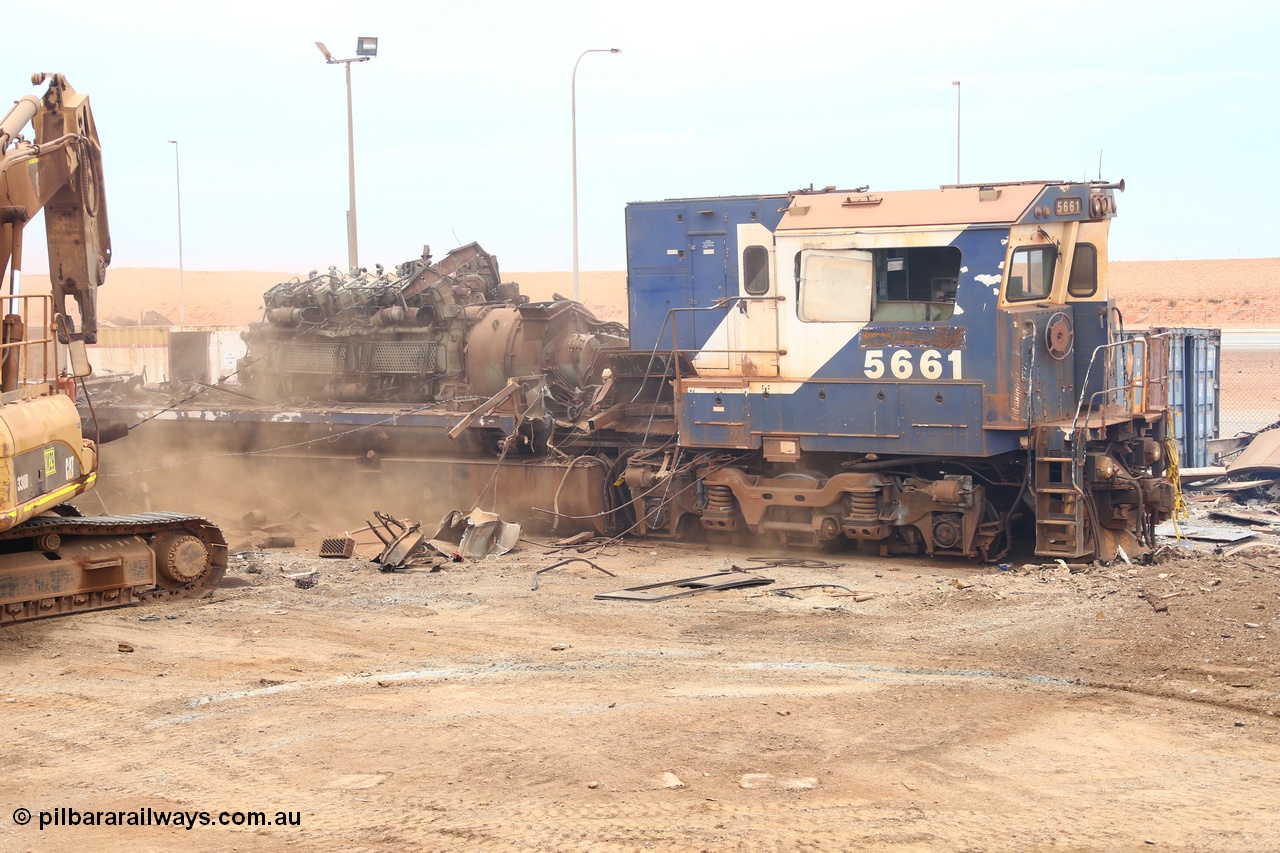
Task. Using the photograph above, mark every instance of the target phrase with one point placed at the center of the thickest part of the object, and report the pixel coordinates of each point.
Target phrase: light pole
(182, 299)
(956, 83)
(573, 109)
(366, 48)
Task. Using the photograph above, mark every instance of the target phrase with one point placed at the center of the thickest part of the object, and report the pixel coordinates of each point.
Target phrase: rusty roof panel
(968, 205)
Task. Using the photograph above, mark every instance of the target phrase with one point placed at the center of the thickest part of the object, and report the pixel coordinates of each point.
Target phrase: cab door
(709, 266)
(754, 321)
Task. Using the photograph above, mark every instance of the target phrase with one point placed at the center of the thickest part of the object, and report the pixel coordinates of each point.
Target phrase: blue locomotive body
(873, 347)
(683, 254)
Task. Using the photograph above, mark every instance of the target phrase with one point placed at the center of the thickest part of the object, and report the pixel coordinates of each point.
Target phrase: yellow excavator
(53, 560)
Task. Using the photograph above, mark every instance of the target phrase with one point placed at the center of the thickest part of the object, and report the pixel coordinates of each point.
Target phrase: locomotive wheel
(834, 545)
(180, 557)
(689, 529)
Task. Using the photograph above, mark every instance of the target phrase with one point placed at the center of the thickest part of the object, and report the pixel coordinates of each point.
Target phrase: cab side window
(755, 270)
(1084, 271)
(916, 284)
(834, 286)
(1031, 274)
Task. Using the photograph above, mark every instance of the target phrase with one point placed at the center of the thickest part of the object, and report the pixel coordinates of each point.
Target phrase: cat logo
(50, 461)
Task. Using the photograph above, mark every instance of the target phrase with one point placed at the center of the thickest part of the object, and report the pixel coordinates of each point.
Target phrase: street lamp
(573, 108)
(366, 48)
(182, 299)
(956, 83)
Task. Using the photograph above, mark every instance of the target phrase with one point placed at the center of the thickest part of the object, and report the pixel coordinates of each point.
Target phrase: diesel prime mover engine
(427, 332)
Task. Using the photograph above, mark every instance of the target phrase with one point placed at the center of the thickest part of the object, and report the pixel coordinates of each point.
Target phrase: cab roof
(969, 204)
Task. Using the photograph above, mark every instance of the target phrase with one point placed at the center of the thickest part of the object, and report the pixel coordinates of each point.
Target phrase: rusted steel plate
(939, 337)
(1262, 454)
(633, 363)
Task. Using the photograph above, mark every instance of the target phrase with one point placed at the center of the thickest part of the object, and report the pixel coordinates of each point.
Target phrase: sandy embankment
(233, 298)
(1221, 293)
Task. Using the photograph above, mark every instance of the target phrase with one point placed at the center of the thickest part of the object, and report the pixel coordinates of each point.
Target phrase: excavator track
(190, 556)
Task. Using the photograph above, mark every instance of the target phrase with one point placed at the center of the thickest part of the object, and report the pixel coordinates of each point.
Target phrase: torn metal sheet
(1220, 446)
(400, 539)
(451, 528)
(1241, 486)
(397, 554)
(686, 586)
(476, 534)
(1194, 475)
(1204, 532)
(1262, 454)
(488, 535)
(1247, 517)
(1250, 545)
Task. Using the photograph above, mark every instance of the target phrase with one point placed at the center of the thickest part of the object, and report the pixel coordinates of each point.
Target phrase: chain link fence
(1248, 363)
(1204, 315)
(1249, 383)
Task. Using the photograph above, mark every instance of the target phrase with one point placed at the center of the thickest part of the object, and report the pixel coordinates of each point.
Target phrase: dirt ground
(952, 708)
(957, 708)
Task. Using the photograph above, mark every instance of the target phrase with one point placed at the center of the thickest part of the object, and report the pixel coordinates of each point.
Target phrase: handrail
(1136, 391)
(1137, 387)
(723, 302)
(25, 348)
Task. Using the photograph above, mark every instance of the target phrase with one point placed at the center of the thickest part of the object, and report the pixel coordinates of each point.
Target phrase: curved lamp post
(956, 83)
(573, 107)
(182, 299)
(366, 48)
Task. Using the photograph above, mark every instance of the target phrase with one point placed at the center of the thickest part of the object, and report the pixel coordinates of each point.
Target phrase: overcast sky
(463, 119)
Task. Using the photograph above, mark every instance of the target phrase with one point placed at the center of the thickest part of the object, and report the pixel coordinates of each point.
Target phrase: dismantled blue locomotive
(923, 371)
(934, 371)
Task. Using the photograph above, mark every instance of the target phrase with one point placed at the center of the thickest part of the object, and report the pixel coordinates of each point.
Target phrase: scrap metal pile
(1237, 501)
(421, 333)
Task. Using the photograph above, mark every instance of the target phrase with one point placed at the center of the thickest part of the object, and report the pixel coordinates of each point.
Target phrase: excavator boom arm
(61, 174)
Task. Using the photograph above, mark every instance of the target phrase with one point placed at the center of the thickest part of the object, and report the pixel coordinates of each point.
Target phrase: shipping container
(1194, 390)
(165, 353)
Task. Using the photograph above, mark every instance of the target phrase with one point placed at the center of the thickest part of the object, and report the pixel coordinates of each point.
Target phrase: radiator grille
(403, 357)
(309, 358)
